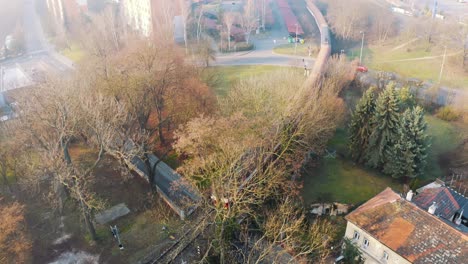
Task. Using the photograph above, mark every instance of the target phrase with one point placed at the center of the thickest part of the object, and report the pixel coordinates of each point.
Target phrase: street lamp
(295, 44)
(442, 66)
(362, 47)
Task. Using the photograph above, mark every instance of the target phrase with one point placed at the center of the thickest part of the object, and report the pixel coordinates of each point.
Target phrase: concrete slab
(112, 213)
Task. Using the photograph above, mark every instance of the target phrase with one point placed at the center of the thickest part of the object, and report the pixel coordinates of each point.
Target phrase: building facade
(391, 229)
(138, 15)
(55, 8)
(373, 251)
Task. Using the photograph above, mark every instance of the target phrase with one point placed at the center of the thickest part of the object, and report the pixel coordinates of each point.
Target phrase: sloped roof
(410, 231)
(445, 202)
(461, 200)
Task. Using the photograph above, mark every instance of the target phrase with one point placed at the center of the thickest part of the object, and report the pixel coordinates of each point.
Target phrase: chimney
(409, 195)
(432, 208)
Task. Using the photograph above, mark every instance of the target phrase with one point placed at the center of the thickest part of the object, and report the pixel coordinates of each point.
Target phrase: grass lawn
(386, 58)
(222, 78)
(339, 179)
(342, 180)
(74, 53)
(445, 137)
(302, 50)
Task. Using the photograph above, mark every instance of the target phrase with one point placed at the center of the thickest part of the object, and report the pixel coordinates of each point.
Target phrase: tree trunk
(66, 153)
(88, 220)
(160, 128)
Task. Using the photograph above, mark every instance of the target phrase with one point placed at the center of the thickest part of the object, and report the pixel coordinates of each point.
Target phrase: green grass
(74, 53)
(444, 137)
(289, 49)
(383, 58)
(221, 79)
(342, 181)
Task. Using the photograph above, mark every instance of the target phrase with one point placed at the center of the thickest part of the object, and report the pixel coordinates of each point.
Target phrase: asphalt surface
(263, 53)
(39, 54)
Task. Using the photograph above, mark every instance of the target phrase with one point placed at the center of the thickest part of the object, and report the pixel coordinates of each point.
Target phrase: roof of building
(446, 205)
(434, 184)
(461, 200)
(445, 197)
(410, 231)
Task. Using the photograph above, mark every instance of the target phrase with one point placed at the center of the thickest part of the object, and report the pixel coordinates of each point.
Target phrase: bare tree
(384, 24)
(265, 134)
(348, 18)
(249, 20)
(229, 19)
(185, 10)
(64, 111)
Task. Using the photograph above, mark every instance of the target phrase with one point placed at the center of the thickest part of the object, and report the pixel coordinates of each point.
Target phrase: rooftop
(445, 202)
(410, 231)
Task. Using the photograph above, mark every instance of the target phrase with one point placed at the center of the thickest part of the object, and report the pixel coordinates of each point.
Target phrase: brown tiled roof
(410, 231)
(445, 202)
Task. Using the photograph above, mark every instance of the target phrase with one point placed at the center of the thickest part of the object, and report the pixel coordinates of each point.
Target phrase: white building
(138, 14)
(55, 7)
(389, 229)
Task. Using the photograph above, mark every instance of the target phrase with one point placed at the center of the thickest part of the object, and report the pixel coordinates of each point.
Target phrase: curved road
(37, 49)
(263, 53)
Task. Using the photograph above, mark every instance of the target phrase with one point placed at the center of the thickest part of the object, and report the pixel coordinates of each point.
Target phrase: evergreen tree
(416, 132)
(360, 127)
(401, 158)
(406, 98)
(385, 125)
(407, 157)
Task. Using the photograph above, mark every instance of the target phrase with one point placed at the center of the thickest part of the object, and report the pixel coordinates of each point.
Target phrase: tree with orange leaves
(14, 241)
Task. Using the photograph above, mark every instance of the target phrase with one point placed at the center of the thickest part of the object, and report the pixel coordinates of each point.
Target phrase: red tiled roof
(410, 231)
(446, 204)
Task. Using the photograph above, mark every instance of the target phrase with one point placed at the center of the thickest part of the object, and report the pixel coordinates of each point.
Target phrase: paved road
(38, 50)
(263, 52)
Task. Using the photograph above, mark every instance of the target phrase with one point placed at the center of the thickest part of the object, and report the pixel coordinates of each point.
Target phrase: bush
(447, 113)
(240, 46)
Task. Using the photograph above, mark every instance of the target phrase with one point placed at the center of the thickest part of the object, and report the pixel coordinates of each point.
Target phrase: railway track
(168, 255)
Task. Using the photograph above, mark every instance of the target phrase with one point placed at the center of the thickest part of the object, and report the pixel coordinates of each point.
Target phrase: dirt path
(404, 44)
(422, 58)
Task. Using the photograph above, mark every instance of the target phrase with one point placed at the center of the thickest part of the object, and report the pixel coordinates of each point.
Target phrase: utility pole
(115, 233)
(362, 47)
(442, 66)
(295, 42)
(263, 14)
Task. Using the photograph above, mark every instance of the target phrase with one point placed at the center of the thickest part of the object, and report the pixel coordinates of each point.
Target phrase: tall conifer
(361, 126)
(385, 123)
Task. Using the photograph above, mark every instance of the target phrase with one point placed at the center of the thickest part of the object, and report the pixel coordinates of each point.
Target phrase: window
(356, 235)
(365, 244)
(385, 255)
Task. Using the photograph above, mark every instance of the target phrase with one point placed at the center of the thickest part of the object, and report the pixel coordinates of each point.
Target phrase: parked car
(362, 68)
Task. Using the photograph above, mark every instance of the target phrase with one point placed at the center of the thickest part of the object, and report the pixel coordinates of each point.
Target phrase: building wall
(138, 15)
(74, 9)
(56, 9)
(375, 251)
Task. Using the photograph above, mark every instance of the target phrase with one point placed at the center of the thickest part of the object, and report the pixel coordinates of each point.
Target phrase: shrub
(447, 113)
(239, 46)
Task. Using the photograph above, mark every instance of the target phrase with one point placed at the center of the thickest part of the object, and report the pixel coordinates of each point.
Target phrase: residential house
(449, 205)
(390, 229)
